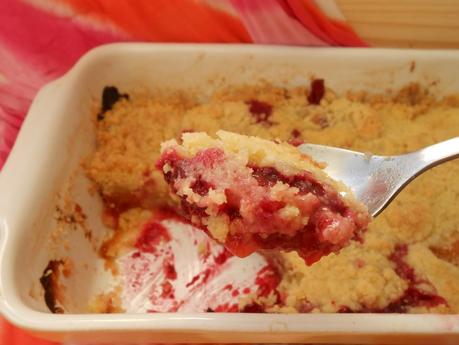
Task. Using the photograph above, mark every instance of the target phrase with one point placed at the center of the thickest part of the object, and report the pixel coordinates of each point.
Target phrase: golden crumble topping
(408, 259)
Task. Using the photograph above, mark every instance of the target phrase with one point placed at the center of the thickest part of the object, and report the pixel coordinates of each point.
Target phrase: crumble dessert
(407, 260)
(252, 194)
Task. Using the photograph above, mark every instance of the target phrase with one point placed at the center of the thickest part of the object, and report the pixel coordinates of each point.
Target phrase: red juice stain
(228, 287)
(296, 142)
(175, 307)
(235, 293)
(412, 296)
(226, 308)
(193, 280)
(261, 111)
(167, 290)
(241, 245)
(253, 308)
(267, 280)
(246, 291)
(136, 255)
(169, 270)
(345, 309)
(401, 267)
(317, 91)
(205, 277)
(221, 258)
(152, 234)
(166, 213)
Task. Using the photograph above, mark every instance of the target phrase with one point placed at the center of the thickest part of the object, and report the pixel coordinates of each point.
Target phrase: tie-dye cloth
(41, 39)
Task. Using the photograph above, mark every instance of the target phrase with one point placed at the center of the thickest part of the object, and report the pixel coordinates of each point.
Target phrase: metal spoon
(376, 180)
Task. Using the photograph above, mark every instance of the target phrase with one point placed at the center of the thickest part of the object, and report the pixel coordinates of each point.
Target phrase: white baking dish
(58, 133)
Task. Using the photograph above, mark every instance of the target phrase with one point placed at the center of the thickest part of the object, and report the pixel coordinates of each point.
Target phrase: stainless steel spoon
(376, 180)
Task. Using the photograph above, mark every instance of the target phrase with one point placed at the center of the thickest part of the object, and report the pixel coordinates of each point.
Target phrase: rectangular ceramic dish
(58, 132)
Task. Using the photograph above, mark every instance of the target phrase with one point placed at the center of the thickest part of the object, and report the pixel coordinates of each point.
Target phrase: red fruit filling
(263, 208)
(317, 91)
(413, 296)
(260, 111)
(152, 234)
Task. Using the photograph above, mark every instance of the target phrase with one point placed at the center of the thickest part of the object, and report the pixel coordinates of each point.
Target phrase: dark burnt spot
(260, 111)
(317, 91)
(110, 95)
(49, 282)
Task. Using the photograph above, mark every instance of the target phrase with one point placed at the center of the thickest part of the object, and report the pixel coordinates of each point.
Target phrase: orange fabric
(10, 335)
(341, 32)
(166, 20)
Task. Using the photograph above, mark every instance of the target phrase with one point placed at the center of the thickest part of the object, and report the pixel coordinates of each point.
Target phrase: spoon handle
(439, 153)
(389, 175)
(406, 167)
